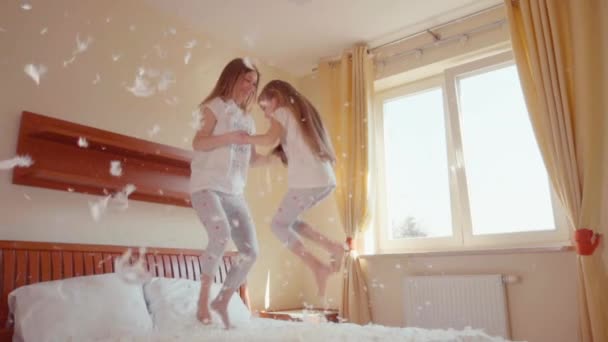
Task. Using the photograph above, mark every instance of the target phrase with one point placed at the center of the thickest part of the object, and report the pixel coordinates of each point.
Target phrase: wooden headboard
(23, 263)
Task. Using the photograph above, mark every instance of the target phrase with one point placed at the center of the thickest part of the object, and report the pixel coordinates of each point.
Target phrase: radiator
(457, 301)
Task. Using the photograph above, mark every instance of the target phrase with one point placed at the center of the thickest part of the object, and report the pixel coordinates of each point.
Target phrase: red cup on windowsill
(586, 241)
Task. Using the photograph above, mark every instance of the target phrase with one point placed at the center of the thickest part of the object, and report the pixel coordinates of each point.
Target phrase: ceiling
(294, 34)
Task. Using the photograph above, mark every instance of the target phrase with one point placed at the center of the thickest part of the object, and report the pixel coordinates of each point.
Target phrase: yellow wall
(69, 93)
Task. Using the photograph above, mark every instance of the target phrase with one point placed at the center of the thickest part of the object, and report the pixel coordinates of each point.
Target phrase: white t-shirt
(225, 168)
(305, 169)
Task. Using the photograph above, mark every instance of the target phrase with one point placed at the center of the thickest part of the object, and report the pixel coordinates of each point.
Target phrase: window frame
(462, 237)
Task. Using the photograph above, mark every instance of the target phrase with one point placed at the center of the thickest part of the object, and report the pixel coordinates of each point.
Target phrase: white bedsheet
(260, 329)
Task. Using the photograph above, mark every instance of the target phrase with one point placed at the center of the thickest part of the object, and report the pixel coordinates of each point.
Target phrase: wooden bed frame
(23, 263)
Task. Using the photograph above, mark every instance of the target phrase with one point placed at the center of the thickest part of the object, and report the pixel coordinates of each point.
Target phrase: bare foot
(221, 307)
(203, 314)
(321, 274)
(336, 258)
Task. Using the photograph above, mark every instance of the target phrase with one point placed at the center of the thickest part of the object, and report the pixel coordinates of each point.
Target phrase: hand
(238, 137)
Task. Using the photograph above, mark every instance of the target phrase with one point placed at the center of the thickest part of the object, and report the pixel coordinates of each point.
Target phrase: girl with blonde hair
(218, 176)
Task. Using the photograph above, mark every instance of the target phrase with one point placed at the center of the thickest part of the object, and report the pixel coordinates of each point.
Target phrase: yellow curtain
(561, 49)
(347, 88)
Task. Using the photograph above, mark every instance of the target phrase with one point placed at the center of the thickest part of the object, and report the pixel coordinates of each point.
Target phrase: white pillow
(77, 309)
(173, 304)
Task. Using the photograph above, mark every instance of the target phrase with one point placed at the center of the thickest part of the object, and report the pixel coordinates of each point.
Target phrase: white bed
(51, 300)
(264, 329)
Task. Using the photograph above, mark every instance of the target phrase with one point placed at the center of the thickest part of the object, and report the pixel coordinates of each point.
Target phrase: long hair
(224, 86)
(305, 113)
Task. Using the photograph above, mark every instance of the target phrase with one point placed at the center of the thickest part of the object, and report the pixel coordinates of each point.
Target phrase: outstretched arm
(270, 137)
(205, 141)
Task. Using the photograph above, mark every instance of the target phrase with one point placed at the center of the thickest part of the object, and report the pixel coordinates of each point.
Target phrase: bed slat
(182, 266)
(8, 263)
(78, 264)
(151, 264)
(189, 267)
(98, 263)
(45, 266)
(89, 267)
(68, 265)
(56, 265)
(34, 267)
(20, 278)
(197, 268)
(108, 265)
(175, 266)
(160, 270)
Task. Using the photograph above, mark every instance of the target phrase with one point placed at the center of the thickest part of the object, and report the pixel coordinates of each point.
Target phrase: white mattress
(261, 329)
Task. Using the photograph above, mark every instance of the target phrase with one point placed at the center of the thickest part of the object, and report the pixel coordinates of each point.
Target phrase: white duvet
(261, 329)
(105, 308)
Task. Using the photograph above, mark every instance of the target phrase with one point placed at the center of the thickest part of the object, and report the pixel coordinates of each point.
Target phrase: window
(461, 166)
(417, 189)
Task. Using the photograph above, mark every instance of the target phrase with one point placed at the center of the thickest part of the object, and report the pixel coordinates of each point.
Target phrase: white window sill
(548, 248)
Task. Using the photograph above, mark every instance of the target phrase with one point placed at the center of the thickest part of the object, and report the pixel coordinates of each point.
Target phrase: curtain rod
(427, 31)
(460, 36)
(436, 37)
(434, 28)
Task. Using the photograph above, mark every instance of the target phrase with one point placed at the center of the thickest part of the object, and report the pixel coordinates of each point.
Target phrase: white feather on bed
(262, 329)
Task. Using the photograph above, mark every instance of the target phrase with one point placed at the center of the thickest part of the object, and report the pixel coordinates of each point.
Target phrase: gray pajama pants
(286, 222)
(224, 217)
